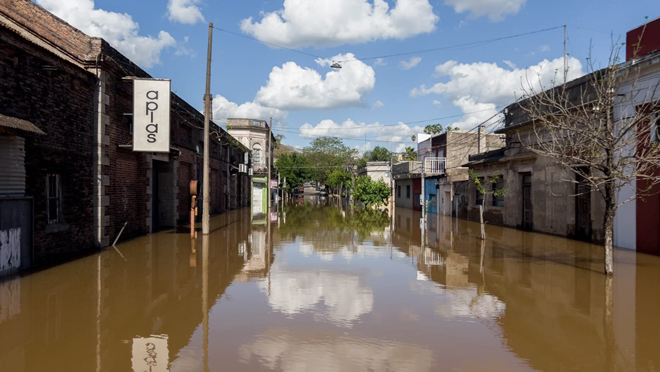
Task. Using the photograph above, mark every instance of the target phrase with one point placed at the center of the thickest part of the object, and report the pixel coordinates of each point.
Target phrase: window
(54, 198)
(256, 155)
(655, 128)
(408, 191)
(398, 191)
(479, 200)
(498, 200)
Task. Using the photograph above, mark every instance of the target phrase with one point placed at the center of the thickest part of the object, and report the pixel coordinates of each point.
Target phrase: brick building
(81, 177)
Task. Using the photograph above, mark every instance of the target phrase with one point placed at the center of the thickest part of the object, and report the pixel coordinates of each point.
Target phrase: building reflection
(546, 294)
(104, 313)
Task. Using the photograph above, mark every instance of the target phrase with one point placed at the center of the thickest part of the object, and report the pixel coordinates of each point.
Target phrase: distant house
(376, 170)
(253, 134)
(440, 161)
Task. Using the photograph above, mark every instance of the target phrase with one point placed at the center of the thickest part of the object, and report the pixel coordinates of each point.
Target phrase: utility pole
(422, 199)
(565, 60)
(206, 216)
(270, 159)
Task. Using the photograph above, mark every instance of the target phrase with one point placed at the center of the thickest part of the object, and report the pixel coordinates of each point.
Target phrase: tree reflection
(329, 229)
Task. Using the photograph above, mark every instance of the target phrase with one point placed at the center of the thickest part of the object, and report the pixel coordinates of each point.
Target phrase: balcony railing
(433, 166)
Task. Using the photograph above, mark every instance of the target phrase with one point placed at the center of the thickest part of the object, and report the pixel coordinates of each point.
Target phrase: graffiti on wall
(10, 249)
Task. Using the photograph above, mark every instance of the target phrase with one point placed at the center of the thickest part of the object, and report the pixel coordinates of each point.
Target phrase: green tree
(295, 168)
(378, 154)
(326, 154)
(433, 129)
(410, 155)
(338, 178)
(370, 193)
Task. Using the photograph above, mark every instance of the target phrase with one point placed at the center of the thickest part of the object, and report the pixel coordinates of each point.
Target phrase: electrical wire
(267, 43)
(449, 47)
(474, 43)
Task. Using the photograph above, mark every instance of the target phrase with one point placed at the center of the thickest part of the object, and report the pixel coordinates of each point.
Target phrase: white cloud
(483, 86)
(223, 109)
(293, 87)
(184, 11)
(510, 64)
(335, 22)
(361, 149)
(544, 48)
(445, 68)
(379, 62)
(495, 9)
(436, 102)
(182, 48)
(351, 129)
(116, 28)
(407, 65)
(379, 104)
(401, 148)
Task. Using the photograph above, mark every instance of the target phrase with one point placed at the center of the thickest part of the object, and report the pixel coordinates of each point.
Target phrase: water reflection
(344, 298)
(286, 350)
(325, 287)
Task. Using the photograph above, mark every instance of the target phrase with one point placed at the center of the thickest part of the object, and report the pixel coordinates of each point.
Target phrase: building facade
(83, 179)
(377, 170)
(536, 195)
(637, 223)
(441, 158)
(254, 135)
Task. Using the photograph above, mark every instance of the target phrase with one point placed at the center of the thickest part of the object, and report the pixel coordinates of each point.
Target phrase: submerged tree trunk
(610, 209)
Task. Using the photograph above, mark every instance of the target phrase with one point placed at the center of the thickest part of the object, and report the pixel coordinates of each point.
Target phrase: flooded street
(322, 288)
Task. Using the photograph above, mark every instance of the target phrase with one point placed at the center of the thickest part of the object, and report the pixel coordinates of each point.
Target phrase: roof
(578, 92)
(487, 157)
(20, 124)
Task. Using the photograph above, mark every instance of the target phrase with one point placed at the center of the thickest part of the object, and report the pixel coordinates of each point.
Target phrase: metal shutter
(12, 165)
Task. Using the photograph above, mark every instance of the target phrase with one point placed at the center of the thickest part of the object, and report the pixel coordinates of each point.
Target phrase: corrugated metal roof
(20, 124)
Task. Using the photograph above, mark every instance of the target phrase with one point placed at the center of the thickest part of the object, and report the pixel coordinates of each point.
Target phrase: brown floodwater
(321, 288)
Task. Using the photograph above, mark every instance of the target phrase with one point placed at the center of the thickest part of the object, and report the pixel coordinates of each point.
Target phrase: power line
(267, 43)
(474, 43)
(457, 46)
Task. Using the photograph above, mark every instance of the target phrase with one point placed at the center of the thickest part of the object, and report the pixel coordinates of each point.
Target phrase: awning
(11, 122)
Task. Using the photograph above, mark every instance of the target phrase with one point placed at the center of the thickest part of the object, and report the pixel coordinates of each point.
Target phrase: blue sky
(370, 102)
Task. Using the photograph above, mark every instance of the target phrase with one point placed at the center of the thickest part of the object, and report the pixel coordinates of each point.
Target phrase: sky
(404, 64)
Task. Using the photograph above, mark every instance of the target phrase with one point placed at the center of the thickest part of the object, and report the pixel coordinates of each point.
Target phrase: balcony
(434, 166)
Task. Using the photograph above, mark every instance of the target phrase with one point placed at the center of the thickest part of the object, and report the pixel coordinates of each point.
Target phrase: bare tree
(602, 130)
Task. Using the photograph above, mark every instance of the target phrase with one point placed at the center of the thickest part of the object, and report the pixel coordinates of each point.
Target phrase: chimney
(481, 139)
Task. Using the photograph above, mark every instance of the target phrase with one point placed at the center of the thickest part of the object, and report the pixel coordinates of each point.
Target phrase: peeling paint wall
(10, 249)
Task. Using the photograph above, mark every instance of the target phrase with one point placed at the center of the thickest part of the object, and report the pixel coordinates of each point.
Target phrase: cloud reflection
(344, 297)
(469, 302)
(282, 349)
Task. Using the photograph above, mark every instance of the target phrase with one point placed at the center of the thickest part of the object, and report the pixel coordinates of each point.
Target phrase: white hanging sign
(151, 115)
